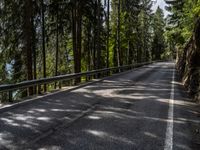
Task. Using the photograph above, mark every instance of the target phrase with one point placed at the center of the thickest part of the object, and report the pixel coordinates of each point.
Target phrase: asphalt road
(143, 109)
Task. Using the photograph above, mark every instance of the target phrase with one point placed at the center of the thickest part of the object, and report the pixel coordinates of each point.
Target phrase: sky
(161, 4)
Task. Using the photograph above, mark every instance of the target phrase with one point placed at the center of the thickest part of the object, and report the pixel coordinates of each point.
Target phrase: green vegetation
(183, 35)
(181, 21)
(44, 38)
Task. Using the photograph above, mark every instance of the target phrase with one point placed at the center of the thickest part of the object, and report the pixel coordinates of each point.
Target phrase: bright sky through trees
(161, 4)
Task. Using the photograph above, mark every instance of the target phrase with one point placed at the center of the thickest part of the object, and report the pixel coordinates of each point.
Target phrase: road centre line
(170, 123)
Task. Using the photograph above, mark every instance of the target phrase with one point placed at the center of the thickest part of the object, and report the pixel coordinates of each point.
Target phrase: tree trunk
(34, 54)
(57, 46)
(118, 35)
(77, 37)
(43, 43)
(128, 53)
(98, 35)
(94, 50)
(88, 47)
(27, 32)
(94, 41)
(74, 36)
(108, 32)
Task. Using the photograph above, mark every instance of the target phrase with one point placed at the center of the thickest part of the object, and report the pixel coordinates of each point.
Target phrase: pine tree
(158, 44)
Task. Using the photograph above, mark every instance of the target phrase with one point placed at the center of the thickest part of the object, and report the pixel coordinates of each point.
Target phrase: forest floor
(142, 109)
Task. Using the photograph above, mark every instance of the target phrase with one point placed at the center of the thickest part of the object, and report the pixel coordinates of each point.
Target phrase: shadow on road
(131, 112)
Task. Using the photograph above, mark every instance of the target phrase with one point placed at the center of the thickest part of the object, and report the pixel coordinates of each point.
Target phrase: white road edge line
(170, 122)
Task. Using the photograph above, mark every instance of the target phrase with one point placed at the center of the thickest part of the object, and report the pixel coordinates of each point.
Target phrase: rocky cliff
(188, 63)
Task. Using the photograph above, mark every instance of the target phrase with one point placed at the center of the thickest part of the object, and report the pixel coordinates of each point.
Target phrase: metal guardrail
(31, 83)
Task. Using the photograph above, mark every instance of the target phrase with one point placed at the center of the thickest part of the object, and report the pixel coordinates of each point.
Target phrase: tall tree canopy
(44, 38)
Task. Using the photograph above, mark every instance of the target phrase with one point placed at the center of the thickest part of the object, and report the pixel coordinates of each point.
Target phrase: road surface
(142, 109)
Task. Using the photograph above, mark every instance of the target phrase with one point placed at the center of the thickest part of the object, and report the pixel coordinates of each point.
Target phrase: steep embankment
(188, 63)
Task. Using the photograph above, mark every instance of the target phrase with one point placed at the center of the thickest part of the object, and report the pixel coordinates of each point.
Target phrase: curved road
(142, 109)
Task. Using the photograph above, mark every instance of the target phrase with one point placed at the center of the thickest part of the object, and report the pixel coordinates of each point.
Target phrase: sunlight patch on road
(94, 117)
(102, 134)
(150, 135)
(44, 118)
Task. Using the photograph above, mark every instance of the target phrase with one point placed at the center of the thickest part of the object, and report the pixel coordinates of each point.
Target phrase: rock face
(188, 63)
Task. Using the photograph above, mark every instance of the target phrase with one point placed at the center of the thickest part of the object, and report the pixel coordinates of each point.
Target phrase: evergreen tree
(158, 44)
(144, 31)
(44, 38)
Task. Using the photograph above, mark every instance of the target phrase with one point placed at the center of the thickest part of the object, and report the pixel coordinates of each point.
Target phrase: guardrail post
(107, 73)
(87, 78)
(10, 96)
(60, 85)
(39, 89)
(119, 70)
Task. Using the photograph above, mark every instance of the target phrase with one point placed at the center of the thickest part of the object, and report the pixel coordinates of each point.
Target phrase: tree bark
(57, 45)
(34, 54)
(27, 32)
(77, 37)
(98, 35)
(43, 43)
(88, 47)
(108, 32)
(118, 35)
